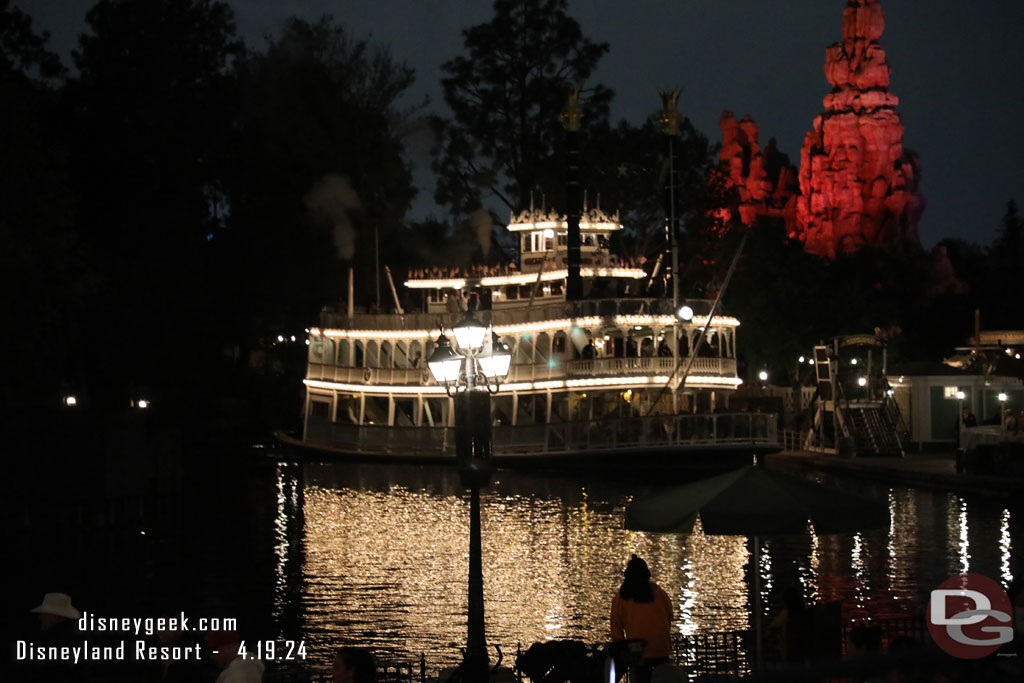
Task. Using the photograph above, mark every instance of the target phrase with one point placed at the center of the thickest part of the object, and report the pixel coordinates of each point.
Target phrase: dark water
(376, 555)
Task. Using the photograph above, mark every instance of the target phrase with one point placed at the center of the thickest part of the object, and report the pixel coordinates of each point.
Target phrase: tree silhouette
(505, 95)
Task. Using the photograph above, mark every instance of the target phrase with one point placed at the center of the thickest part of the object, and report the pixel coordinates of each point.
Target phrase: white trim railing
(594, 367)
(655, 432)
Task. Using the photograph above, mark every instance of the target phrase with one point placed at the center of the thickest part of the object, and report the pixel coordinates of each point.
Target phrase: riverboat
(598, 378)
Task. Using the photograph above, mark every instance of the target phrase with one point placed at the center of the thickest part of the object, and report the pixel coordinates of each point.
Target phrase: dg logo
(969, 616)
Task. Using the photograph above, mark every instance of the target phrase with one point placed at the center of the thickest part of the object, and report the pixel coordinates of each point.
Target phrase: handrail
(632, 433)
(508, 316)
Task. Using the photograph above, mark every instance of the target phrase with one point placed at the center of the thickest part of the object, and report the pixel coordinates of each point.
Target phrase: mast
(669, 120)
(572, 116)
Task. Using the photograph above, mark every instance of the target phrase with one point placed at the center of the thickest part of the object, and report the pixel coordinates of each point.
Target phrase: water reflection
(1005, 574)
(382, 558)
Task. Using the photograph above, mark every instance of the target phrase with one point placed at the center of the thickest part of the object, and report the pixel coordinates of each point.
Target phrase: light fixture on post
(467, 377)
(445, 365)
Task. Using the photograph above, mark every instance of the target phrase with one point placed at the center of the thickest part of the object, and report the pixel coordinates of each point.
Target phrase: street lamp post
(467, 378)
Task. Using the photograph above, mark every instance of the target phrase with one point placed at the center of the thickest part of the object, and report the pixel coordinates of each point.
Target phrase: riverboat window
(527, 241)
(320, 409)
(549, 244)
(558, 344)
(512, 292)
(556, 288)
(563, 240)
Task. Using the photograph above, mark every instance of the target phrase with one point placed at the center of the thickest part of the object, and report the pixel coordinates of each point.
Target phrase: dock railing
(654, 432)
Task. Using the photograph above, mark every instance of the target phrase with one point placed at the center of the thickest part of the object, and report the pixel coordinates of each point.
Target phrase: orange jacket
(651, 621)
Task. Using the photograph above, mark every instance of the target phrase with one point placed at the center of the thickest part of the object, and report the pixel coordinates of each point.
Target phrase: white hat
(58, 604)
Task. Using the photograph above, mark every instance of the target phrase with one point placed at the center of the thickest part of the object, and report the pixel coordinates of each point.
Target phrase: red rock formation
(857, 185)
(744, 168)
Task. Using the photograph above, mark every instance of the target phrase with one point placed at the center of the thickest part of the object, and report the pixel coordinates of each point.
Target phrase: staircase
(874, 430)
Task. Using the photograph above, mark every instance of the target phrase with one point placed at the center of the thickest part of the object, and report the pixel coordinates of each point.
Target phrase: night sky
(955, 68)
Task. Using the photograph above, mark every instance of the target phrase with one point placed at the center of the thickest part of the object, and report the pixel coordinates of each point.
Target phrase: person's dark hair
(361, 661)
(636, 585)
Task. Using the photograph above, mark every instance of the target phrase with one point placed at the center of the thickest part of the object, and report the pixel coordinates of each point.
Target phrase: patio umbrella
(754, 501)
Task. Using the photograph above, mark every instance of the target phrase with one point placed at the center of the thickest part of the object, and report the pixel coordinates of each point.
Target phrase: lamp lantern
(445, 365)
(495, 360)
(469, 334)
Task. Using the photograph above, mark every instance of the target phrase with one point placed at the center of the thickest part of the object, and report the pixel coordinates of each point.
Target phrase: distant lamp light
(890, 392)
(280, 338)
(1003, 397)
(810, 361)
(1017, 356)
(293, 337)
(685, 313)
(143, 403)
(961, 395)
(763, 375)
(549, 233)
(638, 327)
(853, 361)
(469, 334)
(862, 381)
(70, 401)
(445, 365)
(1009, 352)
(801, 359)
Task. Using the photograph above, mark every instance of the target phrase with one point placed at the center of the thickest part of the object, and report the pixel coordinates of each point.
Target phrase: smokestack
(572, 116)
(351, 292)
(977, 330)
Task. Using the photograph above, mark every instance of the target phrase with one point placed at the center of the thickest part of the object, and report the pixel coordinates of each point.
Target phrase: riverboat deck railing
(330, 319)
(530, 372)
(655, 432)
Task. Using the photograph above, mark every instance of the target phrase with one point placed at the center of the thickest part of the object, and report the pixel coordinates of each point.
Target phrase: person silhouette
(641, 609)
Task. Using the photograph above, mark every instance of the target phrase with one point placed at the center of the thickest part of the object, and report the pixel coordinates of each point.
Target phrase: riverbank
(935, 470)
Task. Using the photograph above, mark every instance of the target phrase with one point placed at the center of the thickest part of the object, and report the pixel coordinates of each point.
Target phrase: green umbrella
(754, 501)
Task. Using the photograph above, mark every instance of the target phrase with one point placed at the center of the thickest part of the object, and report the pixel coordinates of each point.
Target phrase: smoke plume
(331, 199)
(480, 222)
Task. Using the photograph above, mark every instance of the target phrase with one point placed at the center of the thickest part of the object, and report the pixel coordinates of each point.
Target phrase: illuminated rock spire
(858, 187)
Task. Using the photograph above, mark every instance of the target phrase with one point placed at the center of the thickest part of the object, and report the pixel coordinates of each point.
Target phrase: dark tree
(43, 269)
(318, 175)
(153, 107)
(505, 95)
(629, 166)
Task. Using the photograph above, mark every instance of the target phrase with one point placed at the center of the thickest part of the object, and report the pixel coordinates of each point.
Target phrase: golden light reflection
(859, 567)
(904, 539)
(377, 557)
(1004, 550)
(387, 561)
(766, 575)
(813, 591)
(965, 544)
